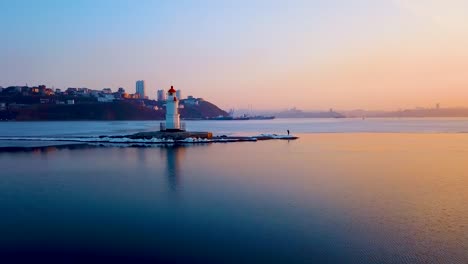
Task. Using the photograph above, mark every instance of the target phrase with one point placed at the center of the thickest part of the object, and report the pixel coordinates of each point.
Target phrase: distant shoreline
(227, 121)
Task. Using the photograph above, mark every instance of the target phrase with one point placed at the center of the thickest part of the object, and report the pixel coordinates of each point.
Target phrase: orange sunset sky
(370, 54)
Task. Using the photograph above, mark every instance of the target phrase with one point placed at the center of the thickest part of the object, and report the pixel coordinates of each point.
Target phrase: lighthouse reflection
(174, 156)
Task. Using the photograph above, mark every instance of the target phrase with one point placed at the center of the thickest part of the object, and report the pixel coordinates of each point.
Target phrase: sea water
(247, 127)
(324, 198)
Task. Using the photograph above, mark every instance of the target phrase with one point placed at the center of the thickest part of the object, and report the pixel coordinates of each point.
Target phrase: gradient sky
(310, 54)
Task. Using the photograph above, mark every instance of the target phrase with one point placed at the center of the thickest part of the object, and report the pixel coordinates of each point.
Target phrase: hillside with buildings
(24, 103)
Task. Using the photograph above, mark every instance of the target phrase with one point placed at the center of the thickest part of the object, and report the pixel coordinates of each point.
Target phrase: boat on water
(261, 117)
(244, 117)
(228, 118)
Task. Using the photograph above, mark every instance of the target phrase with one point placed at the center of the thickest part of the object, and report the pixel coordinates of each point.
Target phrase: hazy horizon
(376, 55)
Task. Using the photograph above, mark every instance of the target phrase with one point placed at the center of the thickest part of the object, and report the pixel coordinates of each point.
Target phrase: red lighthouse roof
(172, 90)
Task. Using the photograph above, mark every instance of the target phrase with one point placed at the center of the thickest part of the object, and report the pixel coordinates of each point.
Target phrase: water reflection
(44, 149)
(174, 156)
(326, 198)
(171, 155)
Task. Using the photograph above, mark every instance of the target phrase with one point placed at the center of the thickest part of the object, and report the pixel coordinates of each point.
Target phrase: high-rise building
(140, 88)
(161, 95)
(179, 94)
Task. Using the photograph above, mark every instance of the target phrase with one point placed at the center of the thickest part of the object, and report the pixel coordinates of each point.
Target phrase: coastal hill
(87, 111)
(203, 109)
(119, 110)
(42, 107)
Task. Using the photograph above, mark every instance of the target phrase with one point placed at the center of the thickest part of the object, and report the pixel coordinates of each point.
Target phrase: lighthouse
(172, 111)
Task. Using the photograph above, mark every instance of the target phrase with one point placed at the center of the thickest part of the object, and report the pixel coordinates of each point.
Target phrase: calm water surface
(325, 198)
(250, 127)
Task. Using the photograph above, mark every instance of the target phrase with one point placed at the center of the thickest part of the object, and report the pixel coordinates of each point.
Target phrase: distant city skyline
(370, 54)
(162, 93)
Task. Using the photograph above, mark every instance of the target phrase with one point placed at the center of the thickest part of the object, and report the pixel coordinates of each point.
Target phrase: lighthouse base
(176, 135)
(163, 128)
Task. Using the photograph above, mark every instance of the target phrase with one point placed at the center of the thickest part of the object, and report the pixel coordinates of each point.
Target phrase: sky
(267, 54)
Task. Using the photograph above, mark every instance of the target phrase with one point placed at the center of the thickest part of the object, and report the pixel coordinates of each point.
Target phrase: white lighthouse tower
(172, 110)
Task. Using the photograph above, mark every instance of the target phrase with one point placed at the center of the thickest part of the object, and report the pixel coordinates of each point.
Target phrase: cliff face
(122, 110)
